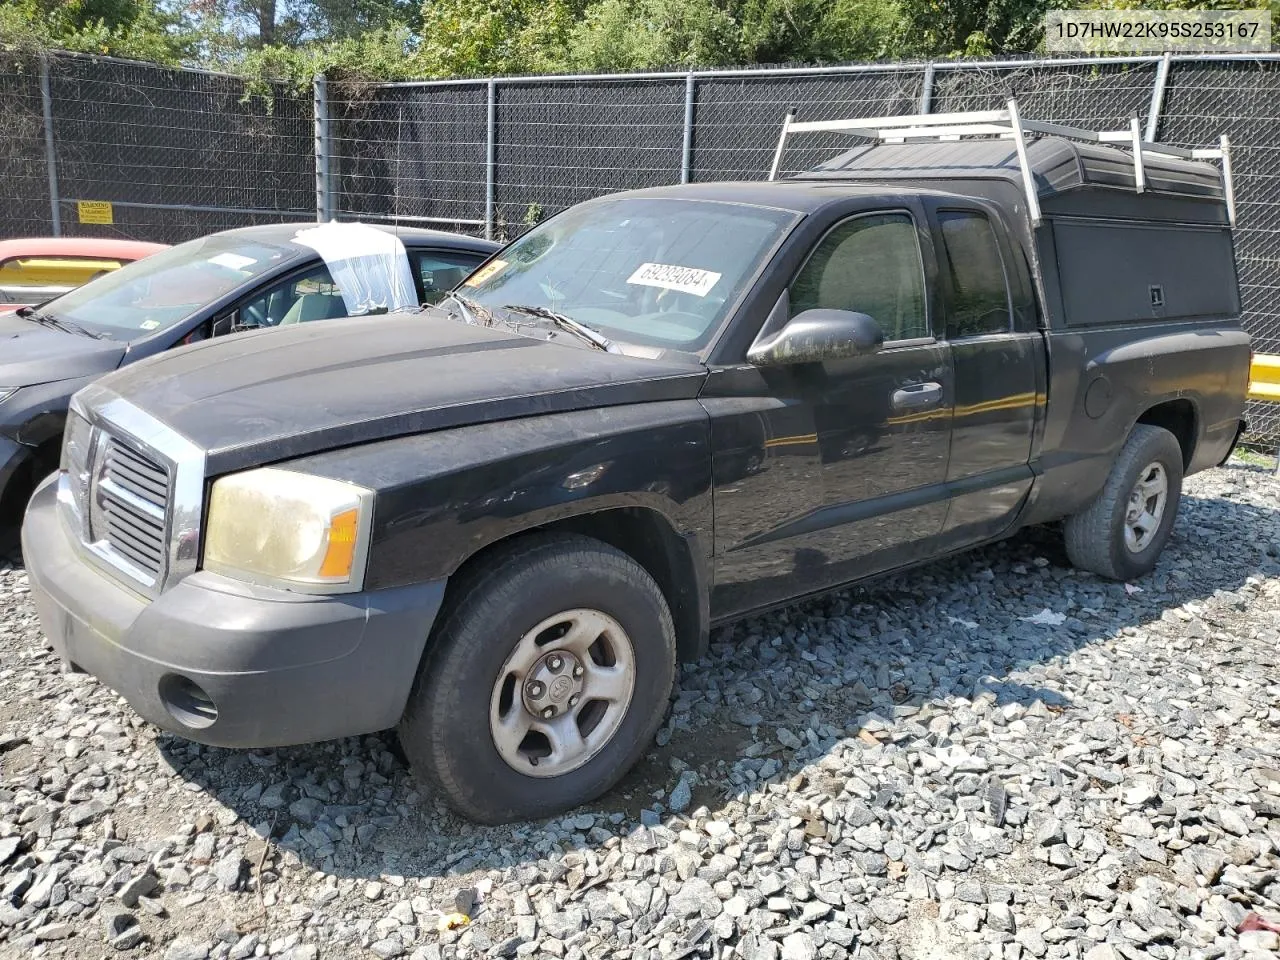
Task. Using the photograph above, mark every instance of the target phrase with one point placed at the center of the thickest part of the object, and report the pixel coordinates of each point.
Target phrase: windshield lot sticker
(232, 261)
(670, 277)
(148, 324)
(487, 272)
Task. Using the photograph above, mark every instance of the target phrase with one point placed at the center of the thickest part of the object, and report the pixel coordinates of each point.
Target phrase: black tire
(445, 730)
(1095, 537)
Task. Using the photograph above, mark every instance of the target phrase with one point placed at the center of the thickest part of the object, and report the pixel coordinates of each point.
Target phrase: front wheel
(546, 682)
(1121, 534)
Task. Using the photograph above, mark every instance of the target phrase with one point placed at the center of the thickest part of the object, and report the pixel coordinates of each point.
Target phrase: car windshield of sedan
(167, 287)
(365, 271)
(659, 272)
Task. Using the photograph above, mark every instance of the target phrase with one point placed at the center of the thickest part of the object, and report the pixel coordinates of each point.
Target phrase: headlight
(6, 393)
(289, 530)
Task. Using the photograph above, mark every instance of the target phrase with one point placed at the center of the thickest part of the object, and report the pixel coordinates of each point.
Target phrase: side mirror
(817, 335)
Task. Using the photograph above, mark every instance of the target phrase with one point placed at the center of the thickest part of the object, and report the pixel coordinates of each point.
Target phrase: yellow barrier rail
(1264, 377)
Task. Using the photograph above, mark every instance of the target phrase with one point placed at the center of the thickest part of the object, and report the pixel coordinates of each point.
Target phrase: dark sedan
(252, 278)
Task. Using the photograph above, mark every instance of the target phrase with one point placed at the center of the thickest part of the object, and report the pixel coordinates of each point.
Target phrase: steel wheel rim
(563, 693)
(1145, 508)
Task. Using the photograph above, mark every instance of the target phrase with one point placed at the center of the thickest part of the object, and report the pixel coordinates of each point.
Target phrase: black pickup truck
(501, 523)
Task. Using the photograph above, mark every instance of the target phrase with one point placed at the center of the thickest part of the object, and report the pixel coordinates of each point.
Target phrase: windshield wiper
(472, 311)
(49, 320)
(580, 330)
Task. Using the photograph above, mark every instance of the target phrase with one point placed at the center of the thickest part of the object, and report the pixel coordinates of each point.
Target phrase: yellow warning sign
(95, 211)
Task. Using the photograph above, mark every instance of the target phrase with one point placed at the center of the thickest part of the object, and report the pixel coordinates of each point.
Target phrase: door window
(979, 294)
(309, 296)
(441, 270)
(872, 265)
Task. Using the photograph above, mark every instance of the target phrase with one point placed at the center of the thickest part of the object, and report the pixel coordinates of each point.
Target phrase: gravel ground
(993, 757)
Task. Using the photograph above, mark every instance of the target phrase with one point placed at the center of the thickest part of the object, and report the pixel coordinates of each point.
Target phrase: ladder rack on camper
(1009, 124)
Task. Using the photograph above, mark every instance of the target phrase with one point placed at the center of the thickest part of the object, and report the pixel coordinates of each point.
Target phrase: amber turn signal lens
(342, 545)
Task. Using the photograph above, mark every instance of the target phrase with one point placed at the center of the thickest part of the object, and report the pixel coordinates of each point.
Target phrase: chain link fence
(1242, 100)
(177, 153)
(24, 177)
(182, 153)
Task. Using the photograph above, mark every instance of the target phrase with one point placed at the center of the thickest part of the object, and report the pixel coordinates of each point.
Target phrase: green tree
(345, 19)
(137, 29)
(952, 28)
(640, 34)
(474, 37)
(643, 34)
(817, 31)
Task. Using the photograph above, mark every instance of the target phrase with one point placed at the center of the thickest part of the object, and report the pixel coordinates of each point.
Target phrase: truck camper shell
(1117, 229)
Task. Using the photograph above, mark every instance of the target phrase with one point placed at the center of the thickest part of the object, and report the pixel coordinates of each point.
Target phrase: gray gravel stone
(564, 924)
(188, 949)
(799, 946)
(230, 871)
(305, 809)
(888, 910)
(138, 886)
(681, 796)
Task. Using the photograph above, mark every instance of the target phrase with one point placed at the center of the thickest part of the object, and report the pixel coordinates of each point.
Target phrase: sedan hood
(263, 397)
(30, 353)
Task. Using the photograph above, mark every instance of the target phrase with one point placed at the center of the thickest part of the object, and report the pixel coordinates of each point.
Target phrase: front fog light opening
(187, 702)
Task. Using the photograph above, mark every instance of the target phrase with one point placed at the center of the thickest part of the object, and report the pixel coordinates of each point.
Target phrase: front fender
(444, 496)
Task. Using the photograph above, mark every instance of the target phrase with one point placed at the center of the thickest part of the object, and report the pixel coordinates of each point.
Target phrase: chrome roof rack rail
(1009, 124)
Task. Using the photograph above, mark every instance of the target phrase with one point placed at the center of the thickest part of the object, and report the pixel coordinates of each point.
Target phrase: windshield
(167, 287)
(662, 272)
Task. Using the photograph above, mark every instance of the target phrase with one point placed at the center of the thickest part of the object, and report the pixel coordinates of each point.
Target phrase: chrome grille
(131, 491)
(128, 504)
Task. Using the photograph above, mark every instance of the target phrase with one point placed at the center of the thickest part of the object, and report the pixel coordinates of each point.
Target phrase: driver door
(830, 471)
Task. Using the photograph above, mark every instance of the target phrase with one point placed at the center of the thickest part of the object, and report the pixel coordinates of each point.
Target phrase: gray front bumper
(281, 668)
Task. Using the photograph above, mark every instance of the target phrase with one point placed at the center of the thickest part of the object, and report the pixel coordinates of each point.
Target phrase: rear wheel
(1122, 533)
(546, 682)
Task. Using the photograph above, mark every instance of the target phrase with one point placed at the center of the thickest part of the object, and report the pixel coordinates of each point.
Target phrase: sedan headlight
(289, 530)
(6, 393)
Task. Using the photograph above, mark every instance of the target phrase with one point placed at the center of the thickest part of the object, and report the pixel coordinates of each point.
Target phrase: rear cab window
(978, 302)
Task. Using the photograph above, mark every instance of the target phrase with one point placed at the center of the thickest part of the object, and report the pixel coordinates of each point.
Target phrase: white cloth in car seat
(370, 266)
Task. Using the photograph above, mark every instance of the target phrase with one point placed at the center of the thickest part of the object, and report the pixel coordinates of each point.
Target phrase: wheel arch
(17, 488)
(1181, 418)
(648, 537)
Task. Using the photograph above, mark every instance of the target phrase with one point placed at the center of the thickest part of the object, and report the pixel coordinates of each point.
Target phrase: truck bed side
(1187, 377)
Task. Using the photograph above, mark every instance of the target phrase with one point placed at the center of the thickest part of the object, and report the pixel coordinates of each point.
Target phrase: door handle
(916, 396)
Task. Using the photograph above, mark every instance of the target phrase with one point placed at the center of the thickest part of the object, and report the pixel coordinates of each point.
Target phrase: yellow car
(35, 270)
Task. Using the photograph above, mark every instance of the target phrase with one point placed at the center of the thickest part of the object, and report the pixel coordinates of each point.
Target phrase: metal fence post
(491, 125)
(1157, 98)
(926, 89)
(686, 150)
(324, 194)
(50, 153)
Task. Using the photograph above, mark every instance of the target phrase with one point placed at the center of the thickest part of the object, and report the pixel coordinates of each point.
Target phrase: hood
(263, 397)
(30, 353)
